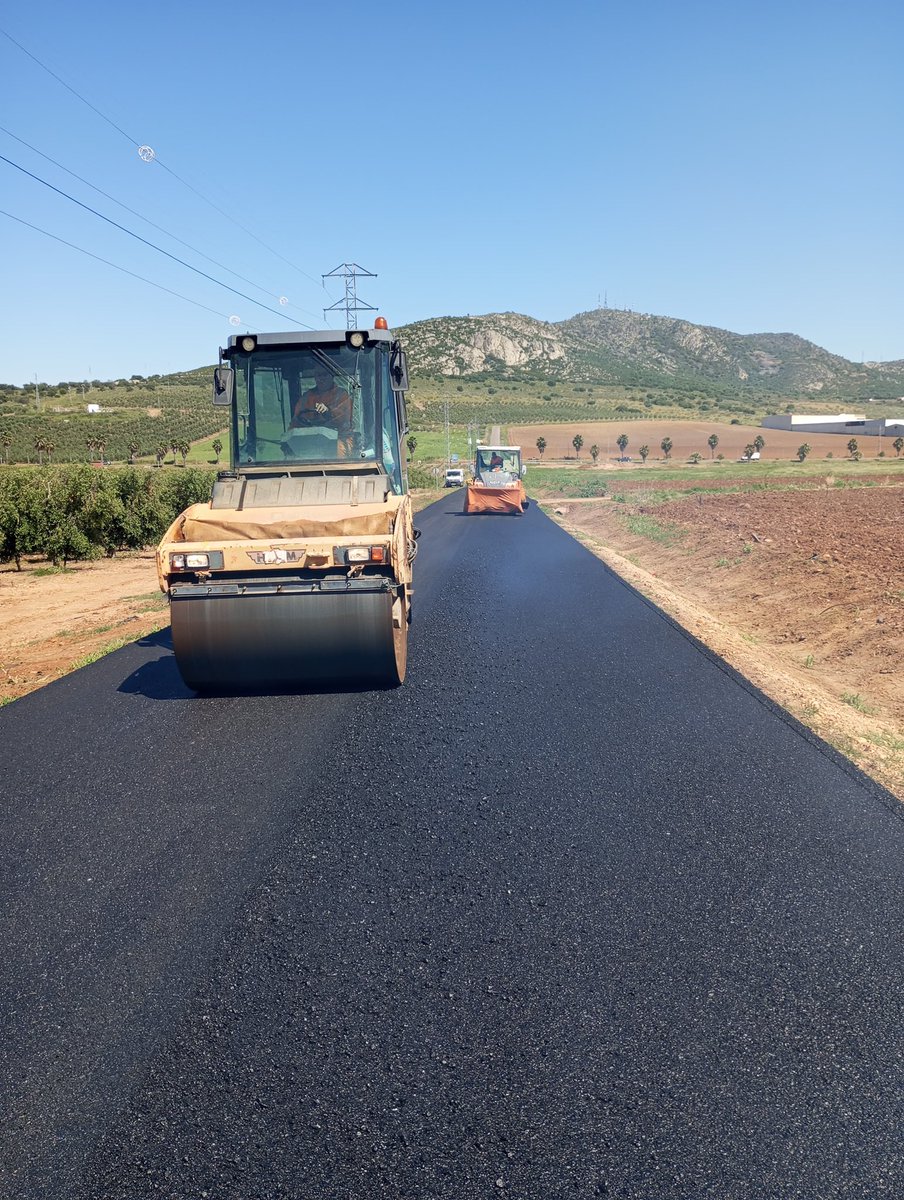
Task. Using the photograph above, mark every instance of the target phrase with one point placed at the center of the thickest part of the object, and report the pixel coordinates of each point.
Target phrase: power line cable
(151, 156)
(44, 67)
(115, 266)
(147, 220)
(144, 241)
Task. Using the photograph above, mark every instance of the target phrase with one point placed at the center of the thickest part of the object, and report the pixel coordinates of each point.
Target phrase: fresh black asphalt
(576, 912)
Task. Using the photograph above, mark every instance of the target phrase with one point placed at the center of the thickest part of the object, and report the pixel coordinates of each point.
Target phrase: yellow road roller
(298, 571)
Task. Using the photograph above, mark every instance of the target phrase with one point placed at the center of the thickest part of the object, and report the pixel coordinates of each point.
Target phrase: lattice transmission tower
(350, 272)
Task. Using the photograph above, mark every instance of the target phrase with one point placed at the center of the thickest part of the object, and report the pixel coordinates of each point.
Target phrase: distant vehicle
(497, 485)
(454, 477)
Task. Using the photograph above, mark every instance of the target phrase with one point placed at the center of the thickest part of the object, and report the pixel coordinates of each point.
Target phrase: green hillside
(499, 369)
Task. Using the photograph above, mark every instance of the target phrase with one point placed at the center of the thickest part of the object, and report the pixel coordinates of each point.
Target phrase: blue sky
(737, 166)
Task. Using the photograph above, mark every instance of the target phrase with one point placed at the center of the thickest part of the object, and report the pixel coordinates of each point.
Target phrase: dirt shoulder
(800, 591)
(54, 621)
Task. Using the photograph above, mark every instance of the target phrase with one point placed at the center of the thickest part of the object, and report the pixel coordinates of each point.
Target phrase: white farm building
(852, 425)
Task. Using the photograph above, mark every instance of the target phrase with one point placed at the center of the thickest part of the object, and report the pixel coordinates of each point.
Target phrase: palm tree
(101, 444)
(622, 442)
(160, 453)
(133, 448)
(898, 444)
(666, 446)
(712, 441)
(40, 446)
(577, 441)
(643, 452)
(174, 446)
(91, 446)
(184, 448)
(541, 445)
(411, 443)
(49, 448)
(594, 452)
(217, 449)
(6, 441)
(852, 447)
(759, 442)
(749, 451)
(803, 451)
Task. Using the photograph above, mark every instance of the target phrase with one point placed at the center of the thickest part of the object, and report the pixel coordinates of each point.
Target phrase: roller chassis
(291, 609)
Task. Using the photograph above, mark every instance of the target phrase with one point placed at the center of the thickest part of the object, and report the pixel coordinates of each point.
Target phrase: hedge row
(82, 512)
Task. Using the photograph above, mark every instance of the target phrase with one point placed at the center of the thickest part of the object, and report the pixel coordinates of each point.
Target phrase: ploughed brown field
(687, 437)
(801, 590)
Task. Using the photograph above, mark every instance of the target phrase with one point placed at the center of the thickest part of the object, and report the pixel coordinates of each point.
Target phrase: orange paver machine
(497, 484)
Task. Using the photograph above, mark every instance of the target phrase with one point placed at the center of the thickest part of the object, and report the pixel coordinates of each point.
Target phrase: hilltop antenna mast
(350, 302)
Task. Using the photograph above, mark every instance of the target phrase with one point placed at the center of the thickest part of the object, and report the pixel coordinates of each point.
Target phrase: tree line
(756, 446)
(71, 513)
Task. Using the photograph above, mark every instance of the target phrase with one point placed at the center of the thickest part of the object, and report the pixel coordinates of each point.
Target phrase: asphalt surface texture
(575, 912)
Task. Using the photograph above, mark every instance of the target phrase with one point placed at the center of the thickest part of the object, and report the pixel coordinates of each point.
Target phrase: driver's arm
(301, 414)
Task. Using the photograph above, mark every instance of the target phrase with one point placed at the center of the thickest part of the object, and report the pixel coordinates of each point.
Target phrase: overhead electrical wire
(147, 220)
(115, 266)
(144, 241)
(154, 158)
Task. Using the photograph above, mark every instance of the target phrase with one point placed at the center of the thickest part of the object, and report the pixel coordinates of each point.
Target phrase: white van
(454, 477)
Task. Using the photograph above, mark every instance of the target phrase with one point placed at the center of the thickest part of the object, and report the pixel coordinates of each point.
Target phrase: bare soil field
(687, 437)
(801, 591)
(53, 621)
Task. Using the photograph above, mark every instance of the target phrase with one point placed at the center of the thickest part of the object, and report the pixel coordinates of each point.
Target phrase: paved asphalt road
(574, 913)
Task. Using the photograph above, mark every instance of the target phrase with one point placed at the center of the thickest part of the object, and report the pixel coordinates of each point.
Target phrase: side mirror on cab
(398, 368)
(223, 386)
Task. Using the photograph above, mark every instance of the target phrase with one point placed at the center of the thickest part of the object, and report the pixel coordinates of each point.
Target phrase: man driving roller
(324, 404)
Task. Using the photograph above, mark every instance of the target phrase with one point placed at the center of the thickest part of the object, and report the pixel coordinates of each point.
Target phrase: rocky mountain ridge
(637, 349)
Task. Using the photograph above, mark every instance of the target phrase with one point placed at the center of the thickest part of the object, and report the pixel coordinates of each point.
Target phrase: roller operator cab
(299, 569)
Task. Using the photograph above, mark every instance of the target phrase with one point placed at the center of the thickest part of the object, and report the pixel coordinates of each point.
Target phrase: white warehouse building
(848, 423)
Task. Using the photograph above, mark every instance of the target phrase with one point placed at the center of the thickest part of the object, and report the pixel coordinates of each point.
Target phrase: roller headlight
(360, 554)
(197, 561)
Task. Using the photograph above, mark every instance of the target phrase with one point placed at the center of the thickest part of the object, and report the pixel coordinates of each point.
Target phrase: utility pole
(448, 446)
(37, 395)
(349, 272)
